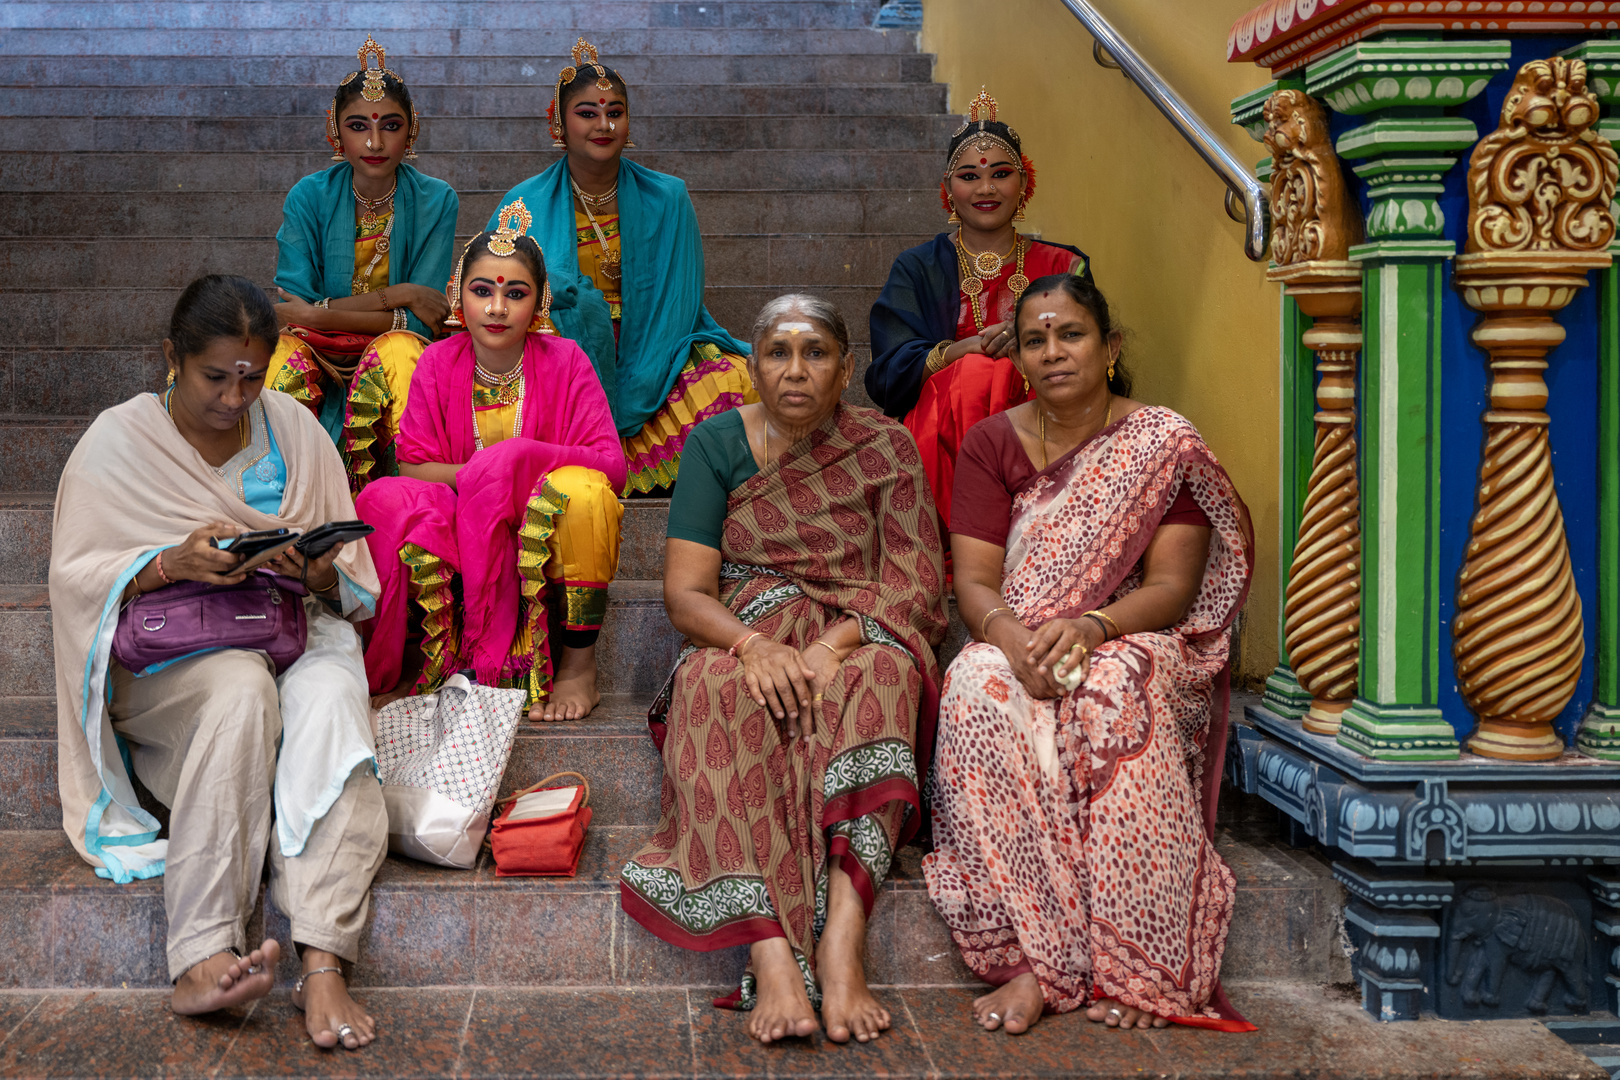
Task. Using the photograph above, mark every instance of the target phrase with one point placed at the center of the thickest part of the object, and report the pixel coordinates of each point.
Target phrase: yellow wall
(1116, 180)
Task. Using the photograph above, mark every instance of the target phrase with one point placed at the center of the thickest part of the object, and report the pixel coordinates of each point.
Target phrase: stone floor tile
(26, 925)
(418, 938)
(419, 1033)
(1058, 1046)
(640, 958)
(116, 1033)
(106, 940)
(723, 1047)
(14, 1009)
(576, 1033)
(555, 939)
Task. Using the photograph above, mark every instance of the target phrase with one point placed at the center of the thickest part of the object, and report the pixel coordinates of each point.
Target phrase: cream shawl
(133, 487)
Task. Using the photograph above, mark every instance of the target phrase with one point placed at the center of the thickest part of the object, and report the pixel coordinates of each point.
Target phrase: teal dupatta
(661, 292)
(315, 244)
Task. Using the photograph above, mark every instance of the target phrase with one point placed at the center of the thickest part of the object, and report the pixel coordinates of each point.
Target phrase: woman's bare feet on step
(1016, 1006)
(328, 1008)
(573, 688)
(847, 1005)
(1113, 1014)
(783, 1008)
(226, 979)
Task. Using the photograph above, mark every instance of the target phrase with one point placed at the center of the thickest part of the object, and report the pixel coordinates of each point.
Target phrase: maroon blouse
(992, 467)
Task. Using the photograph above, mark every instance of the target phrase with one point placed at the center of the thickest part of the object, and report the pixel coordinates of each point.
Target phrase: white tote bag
(440, 758)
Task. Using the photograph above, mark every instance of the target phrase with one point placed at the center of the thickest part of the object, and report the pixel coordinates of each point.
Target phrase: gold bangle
(827, 646)
(1104, 616)
(936, 358)
(992, 613)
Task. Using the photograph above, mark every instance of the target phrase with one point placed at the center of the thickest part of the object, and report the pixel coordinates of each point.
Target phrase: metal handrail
(1243, 190)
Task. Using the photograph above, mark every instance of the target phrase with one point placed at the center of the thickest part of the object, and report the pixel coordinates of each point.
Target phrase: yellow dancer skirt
(711, 382)
(359, 405)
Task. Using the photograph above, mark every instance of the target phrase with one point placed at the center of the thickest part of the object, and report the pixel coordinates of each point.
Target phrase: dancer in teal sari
(625, 260)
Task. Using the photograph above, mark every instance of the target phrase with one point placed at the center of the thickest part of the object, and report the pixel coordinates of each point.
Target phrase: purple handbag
(264, 611)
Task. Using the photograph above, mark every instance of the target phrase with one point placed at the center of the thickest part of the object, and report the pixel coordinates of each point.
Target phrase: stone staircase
(142, 144)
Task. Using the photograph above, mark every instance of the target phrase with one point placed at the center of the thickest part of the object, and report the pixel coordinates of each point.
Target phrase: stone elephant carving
(1540, 935)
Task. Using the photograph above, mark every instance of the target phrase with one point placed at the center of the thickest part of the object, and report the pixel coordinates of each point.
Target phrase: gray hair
(816, 309)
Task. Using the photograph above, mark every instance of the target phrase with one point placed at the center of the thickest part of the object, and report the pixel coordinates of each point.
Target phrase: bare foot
(225, 979)
(847, 1005)
(784, 1007)
(1113, 1014)
(573, 688)
(1016, 1006)
(327, 1006)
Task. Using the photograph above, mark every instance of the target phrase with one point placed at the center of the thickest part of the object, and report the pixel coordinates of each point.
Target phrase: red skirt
(952, 401)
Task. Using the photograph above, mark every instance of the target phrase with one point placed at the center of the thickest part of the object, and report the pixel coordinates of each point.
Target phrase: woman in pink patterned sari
(1081, 737)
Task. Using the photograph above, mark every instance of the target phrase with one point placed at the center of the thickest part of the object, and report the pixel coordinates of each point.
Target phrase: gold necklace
(596, 200)
(1040, 423)
(508, 387)
(972, 282)
(610, 261)
(369, 221)
(988, 263)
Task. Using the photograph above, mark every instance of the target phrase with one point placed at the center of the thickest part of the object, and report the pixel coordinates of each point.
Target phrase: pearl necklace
(369, 220)
(508, 391)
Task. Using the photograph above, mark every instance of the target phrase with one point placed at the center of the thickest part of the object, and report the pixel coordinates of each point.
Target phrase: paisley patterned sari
(1073, 837)
(840, 526)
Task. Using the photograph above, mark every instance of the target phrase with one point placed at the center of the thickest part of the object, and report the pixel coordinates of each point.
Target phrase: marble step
(523, 99)
(687, 131)
(808, 170)
(304, 69)
(58, 318)
(441, 14)
(720, 211)
(334, 45)
(61, 927)
(173, 261)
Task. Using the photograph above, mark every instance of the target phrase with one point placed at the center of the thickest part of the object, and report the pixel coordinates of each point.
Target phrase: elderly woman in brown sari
(805, 569)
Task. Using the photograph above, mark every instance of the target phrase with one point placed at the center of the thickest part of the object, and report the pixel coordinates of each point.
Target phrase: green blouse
(715, 461)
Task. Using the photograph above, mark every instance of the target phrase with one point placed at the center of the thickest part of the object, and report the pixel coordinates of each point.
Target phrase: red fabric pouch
(547, 846)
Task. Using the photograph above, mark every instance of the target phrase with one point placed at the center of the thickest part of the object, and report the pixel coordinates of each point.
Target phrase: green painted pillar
(1402, 155)
(1295, 423)
(1599, 734)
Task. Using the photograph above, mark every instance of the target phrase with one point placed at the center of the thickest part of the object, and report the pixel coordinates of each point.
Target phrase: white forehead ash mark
(242, 366)
(1047, 315)
(795, 327)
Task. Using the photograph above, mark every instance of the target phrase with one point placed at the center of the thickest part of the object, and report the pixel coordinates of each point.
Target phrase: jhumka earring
(1020, 215)
(332, 133)
(538, 324)
(410, 140)
(170, 380)
(953, 219)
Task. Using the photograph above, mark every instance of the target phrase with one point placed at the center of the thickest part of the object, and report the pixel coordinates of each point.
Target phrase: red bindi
(982, 161)
(601, 101)
(374, 116)
(500, 280)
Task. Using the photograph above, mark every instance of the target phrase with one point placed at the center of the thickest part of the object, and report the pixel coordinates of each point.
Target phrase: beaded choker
(986, 266)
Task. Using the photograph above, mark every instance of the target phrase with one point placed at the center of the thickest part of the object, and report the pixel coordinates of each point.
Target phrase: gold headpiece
(584, 54)
(503, 244)
(982, 111)
(372, 89)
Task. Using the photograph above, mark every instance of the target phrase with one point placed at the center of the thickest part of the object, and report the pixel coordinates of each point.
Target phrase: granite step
(277, 171)
(304, 69)
(189, 212)
(438, 14)
(491, 99)
(325, 42)
(60, 926)
(444, 134)
(57, 318)
(474, 1033)
(729, 259)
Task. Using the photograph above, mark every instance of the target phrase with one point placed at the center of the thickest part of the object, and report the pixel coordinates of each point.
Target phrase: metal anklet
(298, 987)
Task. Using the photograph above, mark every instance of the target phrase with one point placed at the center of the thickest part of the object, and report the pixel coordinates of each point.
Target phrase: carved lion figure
(1312, 215)
(1544, 179)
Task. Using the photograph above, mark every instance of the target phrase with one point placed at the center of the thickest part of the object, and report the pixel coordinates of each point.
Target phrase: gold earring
(1020, 215)
(1111, 364)
(170, 380)
(953, 219)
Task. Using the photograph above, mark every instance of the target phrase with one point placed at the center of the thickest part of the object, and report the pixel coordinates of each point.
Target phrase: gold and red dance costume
(939, 293)
(1073, 837)
(523, 548)
(358, 384)
(628, 287)
(751, 822)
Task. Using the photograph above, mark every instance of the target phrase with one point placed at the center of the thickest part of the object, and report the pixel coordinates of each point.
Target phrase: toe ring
(344, 1031)
(995, 1016)
(1115, 1012)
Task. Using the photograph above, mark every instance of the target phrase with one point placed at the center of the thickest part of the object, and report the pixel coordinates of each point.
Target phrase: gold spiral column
(1540, 189)
(1316, 222)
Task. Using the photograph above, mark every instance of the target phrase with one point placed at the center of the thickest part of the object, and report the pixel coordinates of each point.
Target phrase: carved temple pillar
(1599, 734)
(1316, 221)
(1540, 189)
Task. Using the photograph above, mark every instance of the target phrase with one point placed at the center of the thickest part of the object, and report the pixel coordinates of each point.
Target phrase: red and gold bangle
(736, 650)
(1101, 617)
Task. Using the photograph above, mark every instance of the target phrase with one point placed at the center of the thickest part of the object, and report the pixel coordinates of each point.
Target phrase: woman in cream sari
(218, 737)
(1080, 740)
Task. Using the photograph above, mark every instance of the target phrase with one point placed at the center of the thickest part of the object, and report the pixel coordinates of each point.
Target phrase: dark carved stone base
(1479, 889)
